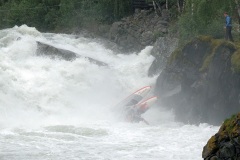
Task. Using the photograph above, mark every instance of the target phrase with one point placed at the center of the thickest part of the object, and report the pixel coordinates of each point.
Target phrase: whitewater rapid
(52, 109)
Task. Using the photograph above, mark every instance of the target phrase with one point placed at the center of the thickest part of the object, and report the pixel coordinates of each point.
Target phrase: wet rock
(227, 151)
(162, 49)
(53, 52)
(209, 88)
(214, 158)
(44, 49)
(223, 144)
(210, 148)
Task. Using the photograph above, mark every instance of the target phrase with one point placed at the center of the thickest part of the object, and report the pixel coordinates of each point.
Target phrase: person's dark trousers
(228, 35)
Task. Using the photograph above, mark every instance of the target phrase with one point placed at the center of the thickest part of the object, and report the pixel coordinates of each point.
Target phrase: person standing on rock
(228, 27)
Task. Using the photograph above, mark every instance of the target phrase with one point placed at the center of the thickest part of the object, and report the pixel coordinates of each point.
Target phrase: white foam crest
(25, 30)
(9, 36)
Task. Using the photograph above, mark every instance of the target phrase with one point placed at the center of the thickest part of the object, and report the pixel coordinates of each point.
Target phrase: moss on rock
(228, 132)
(231, 127)
(215, 44)
(176, 54)
(211, 147)
(235, 60)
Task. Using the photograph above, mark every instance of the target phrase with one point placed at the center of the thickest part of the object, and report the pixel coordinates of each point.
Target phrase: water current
(53, 109)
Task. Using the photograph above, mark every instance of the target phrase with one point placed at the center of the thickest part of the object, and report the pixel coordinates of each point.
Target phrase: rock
(210, 148)
(227, 151)
(53, 52)
(115, 30)
(147, 38)
(103, 30)
(44, 49)
(220, 148)
(163, 22)
(214, 158)
(209, 89)
(166, 14)
(162, 50)
(139, 30)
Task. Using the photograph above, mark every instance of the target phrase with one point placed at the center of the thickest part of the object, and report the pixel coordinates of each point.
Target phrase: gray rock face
(44, 49)
(199, 83)
(135, 32)
(162, 50)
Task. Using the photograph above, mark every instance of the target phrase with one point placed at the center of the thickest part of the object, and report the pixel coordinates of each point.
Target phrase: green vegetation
(235, 60)
(62, 14)
(203, 17)
(214, 45)
(230, 127)
(191, 17)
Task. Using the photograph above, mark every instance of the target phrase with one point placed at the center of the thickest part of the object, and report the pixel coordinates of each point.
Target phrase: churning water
(52, 109)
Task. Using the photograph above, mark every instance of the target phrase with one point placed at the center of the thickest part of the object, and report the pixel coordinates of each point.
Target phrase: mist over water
(57, 109)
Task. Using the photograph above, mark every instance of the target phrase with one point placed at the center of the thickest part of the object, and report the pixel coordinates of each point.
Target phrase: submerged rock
(44, 49)
(226, 143)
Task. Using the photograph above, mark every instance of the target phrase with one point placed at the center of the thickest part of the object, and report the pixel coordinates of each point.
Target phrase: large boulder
(53, 52)
(199, 82)
(225, 144)
(162, 49)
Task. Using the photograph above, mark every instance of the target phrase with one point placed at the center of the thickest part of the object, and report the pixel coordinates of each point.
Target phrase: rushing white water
(52, 109)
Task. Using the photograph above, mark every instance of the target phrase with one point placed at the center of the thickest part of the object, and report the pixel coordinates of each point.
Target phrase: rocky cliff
(139, 30)
(201, 81)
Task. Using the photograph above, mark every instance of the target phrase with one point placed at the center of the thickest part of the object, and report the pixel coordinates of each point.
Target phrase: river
(52, 109)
